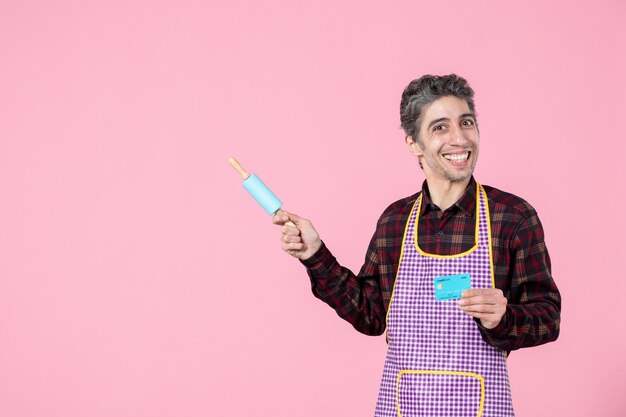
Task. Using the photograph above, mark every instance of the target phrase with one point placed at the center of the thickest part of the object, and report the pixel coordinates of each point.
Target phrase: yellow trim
(429, 372)
(393, 290)
(418, 203)
(493, 274)
(457, 255)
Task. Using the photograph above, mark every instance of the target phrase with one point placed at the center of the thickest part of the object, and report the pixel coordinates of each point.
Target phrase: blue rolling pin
(259, 191)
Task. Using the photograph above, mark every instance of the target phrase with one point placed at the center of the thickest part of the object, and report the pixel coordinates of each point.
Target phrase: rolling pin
(259, 191)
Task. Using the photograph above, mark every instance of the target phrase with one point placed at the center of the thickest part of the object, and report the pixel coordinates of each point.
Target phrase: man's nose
(457, 136)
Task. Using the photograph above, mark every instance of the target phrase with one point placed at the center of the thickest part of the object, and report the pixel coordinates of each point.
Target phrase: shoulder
(390, 230)
(398, 211)
(512, 217)
(507, 203)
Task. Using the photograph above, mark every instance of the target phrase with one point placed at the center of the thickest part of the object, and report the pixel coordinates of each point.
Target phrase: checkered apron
(437, 364)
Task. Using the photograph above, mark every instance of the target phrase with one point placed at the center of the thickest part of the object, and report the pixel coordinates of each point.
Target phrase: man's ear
(413, 146)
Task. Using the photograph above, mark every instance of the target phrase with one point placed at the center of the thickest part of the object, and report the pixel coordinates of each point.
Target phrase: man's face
(448, 140)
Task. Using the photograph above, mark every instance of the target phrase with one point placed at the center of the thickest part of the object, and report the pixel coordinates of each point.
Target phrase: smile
(457, 157)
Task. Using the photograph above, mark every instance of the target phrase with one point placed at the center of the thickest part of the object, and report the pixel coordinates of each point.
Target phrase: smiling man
(458, 274)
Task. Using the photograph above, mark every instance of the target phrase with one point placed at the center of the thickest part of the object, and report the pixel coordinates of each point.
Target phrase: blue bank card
(450, 287)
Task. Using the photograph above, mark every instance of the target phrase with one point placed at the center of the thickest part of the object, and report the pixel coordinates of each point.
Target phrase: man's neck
(445, 193)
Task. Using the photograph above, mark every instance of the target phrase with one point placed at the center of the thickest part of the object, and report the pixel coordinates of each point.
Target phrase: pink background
(137, 278)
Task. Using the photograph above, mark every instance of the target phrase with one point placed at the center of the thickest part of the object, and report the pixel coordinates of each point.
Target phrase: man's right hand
(301, 241)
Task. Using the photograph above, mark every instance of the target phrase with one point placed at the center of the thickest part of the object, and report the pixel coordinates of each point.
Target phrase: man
(446, 357)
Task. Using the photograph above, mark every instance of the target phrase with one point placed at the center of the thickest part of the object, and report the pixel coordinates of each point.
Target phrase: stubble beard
(460, 177)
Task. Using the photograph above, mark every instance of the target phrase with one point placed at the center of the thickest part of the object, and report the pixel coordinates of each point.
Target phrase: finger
(484, 316)
(481, 291)
(292, 239)
(280, 218)
(290, 230)
(295, 253)
(476, 300)
(480, 308)
(291, 216)
(297, 220)
(290, 247)
(479, 314)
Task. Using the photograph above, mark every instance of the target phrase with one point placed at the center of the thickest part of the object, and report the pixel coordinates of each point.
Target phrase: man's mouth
(457, 157)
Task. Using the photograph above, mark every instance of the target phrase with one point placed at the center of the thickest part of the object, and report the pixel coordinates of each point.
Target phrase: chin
(459, 177)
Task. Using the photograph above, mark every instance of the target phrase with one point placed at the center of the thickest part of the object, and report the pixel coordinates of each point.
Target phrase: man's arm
(356, 298)
(530, 314)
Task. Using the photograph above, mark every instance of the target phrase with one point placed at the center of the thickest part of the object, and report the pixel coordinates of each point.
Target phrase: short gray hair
(426, 89)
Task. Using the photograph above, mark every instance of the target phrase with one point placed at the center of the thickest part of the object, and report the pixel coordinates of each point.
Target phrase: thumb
(294, 218)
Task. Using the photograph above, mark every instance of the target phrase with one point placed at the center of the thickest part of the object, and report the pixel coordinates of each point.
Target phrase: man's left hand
(486, 304)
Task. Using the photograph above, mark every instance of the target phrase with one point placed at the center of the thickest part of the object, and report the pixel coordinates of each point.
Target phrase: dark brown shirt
(520, 258)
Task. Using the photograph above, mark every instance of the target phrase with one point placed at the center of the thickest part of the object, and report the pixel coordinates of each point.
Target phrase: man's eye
(438, 127)
(467, 122)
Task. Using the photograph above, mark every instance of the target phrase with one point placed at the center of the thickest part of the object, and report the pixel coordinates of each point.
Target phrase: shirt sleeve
(534, 303)
(356, 298)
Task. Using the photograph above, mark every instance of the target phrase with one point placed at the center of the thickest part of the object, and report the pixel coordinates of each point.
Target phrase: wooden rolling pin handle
(288, 222)
(235, 164)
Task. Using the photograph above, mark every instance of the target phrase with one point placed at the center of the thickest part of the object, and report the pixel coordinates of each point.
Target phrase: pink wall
(138, 279)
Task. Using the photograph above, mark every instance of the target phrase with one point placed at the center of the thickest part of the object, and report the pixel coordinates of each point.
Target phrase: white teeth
(457, 157)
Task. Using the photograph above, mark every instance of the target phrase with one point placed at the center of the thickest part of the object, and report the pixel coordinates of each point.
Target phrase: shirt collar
(466, 203)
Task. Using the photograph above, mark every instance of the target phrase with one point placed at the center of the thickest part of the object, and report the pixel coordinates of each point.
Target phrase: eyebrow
(472, 115)
(441, 119)
(433, 122)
